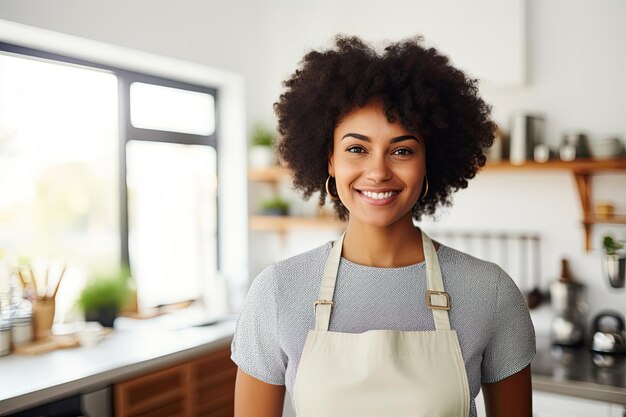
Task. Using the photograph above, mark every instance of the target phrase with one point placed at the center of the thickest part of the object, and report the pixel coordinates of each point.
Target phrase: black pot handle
(617, 316)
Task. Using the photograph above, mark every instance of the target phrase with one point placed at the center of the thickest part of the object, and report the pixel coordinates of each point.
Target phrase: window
(97, 168)
(59, 169)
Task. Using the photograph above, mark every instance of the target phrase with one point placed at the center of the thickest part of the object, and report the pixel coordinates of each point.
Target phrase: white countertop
(26, 381)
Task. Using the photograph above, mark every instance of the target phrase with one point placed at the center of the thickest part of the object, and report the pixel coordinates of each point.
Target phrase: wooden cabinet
(204, 386)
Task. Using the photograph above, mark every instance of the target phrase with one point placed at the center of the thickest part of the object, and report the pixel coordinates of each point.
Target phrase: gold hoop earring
(331, 195)
(424, 186)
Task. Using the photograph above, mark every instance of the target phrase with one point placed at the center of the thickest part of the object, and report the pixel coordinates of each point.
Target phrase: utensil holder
(43, 317)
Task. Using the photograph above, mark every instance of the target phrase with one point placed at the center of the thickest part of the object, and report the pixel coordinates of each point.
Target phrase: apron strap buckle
(438, 300)
(321, 302)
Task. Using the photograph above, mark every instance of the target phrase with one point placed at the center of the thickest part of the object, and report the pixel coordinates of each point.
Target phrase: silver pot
(609, 339)
(615, 269)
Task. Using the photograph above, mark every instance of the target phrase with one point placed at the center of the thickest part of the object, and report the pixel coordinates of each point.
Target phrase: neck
(396, 245)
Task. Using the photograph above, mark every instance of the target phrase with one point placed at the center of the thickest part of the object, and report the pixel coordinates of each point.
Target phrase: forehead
(370, 118)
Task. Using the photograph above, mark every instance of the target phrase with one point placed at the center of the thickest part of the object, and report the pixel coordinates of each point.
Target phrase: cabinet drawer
(159, 393)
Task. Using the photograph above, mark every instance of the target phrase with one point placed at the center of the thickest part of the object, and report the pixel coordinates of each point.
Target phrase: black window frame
(128, 132)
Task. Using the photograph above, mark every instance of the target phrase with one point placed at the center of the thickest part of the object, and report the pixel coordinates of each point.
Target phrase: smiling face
(378, 166)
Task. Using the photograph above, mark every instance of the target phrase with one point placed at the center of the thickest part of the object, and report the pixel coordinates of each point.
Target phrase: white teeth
(379, 196)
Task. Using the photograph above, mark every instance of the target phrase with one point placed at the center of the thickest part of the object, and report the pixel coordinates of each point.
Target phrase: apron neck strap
(323, 305)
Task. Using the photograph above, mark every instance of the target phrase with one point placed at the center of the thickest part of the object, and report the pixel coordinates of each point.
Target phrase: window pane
(59, 194)
(171, 109)
(172, 220)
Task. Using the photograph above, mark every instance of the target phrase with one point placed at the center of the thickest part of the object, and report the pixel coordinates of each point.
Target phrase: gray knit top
(488, 312)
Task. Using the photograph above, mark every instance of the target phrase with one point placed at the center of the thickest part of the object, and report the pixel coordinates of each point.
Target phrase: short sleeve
(255, 347)
(511, 346)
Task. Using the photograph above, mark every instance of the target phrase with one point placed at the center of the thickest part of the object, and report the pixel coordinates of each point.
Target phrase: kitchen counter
(132, 350)
(578, 372)
(26, 381)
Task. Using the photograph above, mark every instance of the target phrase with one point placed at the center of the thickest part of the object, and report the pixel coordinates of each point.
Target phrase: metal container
(615, 269)
(526, 133)
(566, 296)
(5, 337)
(567, 299)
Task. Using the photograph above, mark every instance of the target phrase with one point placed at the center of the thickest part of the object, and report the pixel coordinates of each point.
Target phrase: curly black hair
(417, 86)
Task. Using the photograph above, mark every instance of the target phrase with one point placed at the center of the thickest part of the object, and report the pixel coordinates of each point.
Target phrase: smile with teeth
(379, 196)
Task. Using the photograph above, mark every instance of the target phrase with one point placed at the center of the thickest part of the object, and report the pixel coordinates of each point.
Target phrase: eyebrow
(393, 140)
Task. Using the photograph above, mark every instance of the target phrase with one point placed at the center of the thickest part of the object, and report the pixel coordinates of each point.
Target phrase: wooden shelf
(271, 174)
(284, 223)
(583, 170)
(579, 165)
(615, 219)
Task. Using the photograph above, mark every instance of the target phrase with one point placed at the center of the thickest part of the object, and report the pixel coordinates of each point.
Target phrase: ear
(331, 169)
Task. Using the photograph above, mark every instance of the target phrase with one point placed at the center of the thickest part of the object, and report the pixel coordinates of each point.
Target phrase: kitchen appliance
(526, 133)
(567, 299)
(609, 333)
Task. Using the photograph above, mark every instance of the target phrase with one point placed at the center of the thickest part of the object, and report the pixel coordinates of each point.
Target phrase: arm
(255, 398)
(510, 397)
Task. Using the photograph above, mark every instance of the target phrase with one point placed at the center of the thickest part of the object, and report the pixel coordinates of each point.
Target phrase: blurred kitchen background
(136, 133)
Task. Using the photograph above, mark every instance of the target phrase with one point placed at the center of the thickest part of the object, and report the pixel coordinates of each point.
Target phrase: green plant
(276, 203)
(261, 136)
(611, 246)
(105, 291)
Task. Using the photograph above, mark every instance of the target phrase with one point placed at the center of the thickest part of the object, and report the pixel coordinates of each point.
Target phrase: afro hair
(418, 87)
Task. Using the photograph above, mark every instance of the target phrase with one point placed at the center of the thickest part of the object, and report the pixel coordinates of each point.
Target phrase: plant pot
(104, 315)
(276, 212)
(261, 157)
(615, 269)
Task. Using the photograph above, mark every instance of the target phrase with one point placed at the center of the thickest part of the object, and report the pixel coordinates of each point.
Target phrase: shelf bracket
(583, 183)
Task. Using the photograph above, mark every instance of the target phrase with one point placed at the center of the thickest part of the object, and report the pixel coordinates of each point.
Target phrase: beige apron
(382, 373)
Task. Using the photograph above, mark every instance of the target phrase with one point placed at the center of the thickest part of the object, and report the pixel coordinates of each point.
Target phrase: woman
(383, 322)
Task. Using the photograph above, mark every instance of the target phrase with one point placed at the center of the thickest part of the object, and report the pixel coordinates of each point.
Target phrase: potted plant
(275, 207)
(261, 154)
(103, 296)
(614, 261)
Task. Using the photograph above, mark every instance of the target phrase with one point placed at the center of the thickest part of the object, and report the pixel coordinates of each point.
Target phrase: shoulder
(302, 265)
(476, 270)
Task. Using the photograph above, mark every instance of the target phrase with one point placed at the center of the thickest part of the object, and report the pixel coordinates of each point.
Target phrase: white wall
(576, 61)
(575, 64)
(230, 35)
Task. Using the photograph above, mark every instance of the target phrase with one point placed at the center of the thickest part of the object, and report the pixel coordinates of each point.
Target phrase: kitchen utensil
(526, 133)
(523, 262)
(611, 337)
(535, 296)
(568, 326)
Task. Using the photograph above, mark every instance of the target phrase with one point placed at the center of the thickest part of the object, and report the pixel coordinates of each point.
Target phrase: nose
(378, 169)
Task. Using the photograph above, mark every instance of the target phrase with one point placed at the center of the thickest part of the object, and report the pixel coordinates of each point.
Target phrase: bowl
(91, 334)
(607, 148)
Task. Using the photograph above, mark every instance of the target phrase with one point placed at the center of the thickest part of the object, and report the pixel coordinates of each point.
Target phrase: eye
(403, 152)
(355, 149)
